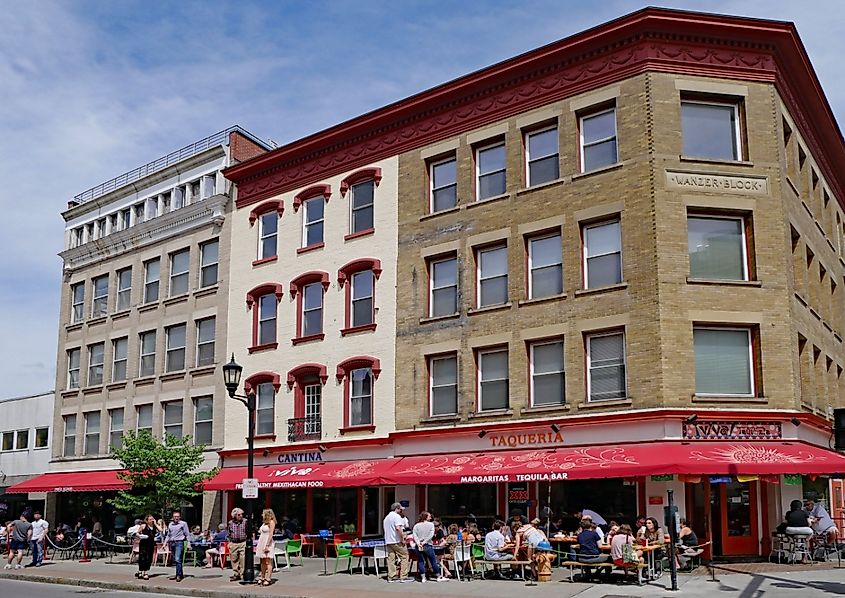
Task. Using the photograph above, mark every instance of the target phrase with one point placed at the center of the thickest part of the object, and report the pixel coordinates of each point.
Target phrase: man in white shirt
(394, 543)
(39, 534)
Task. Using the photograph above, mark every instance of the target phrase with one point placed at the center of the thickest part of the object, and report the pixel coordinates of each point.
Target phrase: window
(177, 199)
(263, 301)
(444, 185)
(69, 449)
(491, 171)
(116, 428)
(444, 287)
(209, 256)
(77, 293)
(148, 353)
(22, 440)
(602, 255)
(152, 271)
(598, 140)
(606, 365)
(711, 130)
(120, 348)
(195, 191)
(265, 413)
(361, 201)
(73, 368)
(8, 441)
(100, 301)
(547, 373)
(313, 211)
(92, 433)
(492, 276)
(180, 262)
(361, 397)
(77, 236)
(268, 233)
(175, 337)
(144, 419)
(723, 361)
(42, 437)
(541, 154)
(266, 319)
(124, 289)
(493, 379)
(152, 207)
(173, 418)
(307, 382)
(545, 264)
(312, 309)
(139, 213)
(96, 354)
(363, 287)
(203, 416)
(443, 384)
(125, 218)
(208, 185)
(717, 249)
(360, 293)
(313, 394)
(205, 341)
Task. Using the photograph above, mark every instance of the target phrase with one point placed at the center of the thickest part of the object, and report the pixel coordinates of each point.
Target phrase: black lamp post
(232, 379)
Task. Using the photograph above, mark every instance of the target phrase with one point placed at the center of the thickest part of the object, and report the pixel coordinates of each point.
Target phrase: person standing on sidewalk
(146, 545)
(21, 535)
(423, 536)
(177, 536)
(39, 532)
(265, 546)
(394, 543)
(236, 530)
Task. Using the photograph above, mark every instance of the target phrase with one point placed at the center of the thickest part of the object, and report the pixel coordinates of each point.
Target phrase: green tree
(161, 475)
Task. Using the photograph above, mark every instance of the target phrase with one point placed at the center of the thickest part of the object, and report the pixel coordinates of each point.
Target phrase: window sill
(540, 186)
(202, 370)
(175, 300)
(119, 315)
(430, 319)
(92, 390)
(728, 399)
(307, 339)
(357, 329)
(545, 409)
(431, 215)
(116, 385)
(265, 347)
(604, 289)
(490, 413)
(209, 290)
(74, 326)
(489, 308)
(606, 403)
(97, 320)
(144, 380)
(601, 170)
(481, 202)
(352, 429)
(266, 260)
(70, 393)
(733, 283)
(542, 299)
(176, 375)
(745, 163)
(308, 248)
(359, 234)
(148, 307)
(439, 419)
(271, 437)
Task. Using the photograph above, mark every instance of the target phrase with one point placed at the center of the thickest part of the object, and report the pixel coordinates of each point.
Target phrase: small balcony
(304, 428)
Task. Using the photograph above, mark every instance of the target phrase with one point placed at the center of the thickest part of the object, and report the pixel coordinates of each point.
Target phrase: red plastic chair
(223, 550)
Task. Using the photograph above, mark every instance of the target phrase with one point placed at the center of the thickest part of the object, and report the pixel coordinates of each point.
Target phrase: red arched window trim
(359, 176)
(367, 263)
(267, 206)
(263, 289)
(311, 192)
(357, 362)
(307, 278)
(307, 369)
(257, 378)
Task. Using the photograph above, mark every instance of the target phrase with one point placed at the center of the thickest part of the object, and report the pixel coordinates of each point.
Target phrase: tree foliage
(161, 475)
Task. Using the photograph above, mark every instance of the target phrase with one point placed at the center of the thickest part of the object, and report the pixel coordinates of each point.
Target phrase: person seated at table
(449, 543)
(797, 520)
(687, 544)
(651, 532)
(517, 516)
(596, 527)
(556, 525)
(640, 525)
(195, 535)
(494, 547)
(623, 537)
(614, 529)
(439, 532)
(821, 521)
(472, 533)
(588, 547)
(218, 538)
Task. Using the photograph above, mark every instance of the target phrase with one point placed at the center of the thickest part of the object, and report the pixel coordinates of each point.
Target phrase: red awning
(76, 481)
(331, 474)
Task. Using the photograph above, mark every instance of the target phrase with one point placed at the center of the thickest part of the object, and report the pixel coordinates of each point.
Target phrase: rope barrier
(71, 547)
(101, 541)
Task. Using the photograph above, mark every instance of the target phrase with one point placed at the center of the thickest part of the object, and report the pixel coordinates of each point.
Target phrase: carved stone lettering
(717, 183)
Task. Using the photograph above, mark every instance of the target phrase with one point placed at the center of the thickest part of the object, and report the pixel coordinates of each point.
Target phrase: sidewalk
(744, 580)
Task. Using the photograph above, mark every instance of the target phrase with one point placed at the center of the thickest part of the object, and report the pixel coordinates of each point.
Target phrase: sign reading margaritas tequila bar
(722, 430)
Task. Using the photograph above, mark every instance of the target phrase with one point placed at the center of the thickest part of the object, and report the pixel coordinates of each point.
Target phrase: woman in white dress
(264, 550)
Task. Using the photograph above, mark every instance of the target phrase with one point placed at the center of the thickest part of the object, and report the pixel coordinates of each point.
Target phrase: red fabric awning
(331, 474)
(76, 481)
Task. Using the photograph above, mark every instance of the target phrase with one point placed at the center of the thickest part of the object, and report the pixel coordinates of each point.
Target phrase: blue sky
(92, 89)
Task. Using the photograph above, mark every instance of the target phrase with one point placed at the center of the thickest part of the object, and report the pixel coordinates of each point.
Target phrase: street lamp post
(232, 379)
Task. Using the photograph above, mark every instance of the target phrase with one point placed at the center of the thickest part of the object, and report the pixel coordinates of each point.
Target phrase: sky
(91, 89)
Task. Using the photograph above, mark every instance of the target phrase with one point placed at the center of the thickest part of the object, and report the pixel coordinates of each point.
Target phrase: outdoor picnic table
(649, 552)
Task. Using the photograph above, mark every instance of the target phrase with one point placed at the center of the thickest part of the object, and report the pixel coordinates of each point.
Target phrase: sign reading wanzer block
(716, 183)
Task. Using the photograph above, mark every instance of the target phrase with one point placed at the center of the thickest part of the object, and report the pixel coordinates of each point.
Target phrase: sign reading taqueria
(525, 439)
(724, 183)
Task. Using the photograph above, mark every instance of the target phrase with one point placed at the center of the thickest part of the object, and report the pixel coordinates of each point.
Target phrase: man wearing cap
(394, 543)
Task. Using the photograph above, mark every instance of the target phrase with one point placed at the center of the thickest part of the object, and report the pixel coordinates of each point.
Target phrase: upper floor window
(96, 355)
(173, 418)
(264, 299)
(443, 384)
(265, 409)
(73, 356)
(176, 338)
(125, 218)
(8, 441)
(147, 353)
(545, 264)
(541, 155)
(493, 379)
(42, 437)
(77, 293)
(307, 381)
(491, 171)
(711, 129)
(120, 349)
(309, 289)
(360, 293)
(177, 198)
(100, 292)
(602, 254)
(361, 200)
(180, 263)
(443, 176)
(69, 445)
(724, 361)
(313, 211)
(598, 140)
(606, 366)
(203, 420)
(22, 440)
(116, 427)
(205, 341)
(92, 433)
(547, 373)
(152, 207)
(358, 375)
(152, 272)
(78, 236)
(492, 267)
(124, 289)
(717, 247)
(209, 257)
(268, 234)
(144, 419)
(443, 274)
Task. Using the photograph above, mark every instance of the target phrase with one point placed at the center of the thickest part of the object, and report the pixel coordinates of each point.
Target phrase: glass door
(738, 514)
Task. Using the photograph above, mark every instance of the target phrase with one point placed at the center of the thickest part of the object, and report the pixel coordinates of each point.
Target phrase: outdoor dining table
(648, 551)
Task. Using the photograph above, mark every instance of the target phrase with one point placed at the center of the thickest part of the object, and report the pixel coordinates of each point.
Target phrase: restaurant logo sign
(526, 439)
(312, 457)
(722, 430)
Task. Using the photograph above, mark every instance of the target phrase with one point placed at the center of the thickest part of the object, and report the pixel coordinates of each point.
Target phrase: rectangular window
(362, 298)
(606, 365)
(124, 289)
(209, 257)
(313, 409)
(148, 353)
(205, 341)
(265, 413)
(361, 397)
(176, 338)
(92, 433)
(78, 236)
(203, 416)
(125, 218)
(152, 272)
(180, 263)
(598, 140)
(444, 185)
(443, 384)
(545, 264)
(173, 418)
(268, 234)
(717, 248)
(723, 361)
(313, 211)
(8, 441)
(444, 287)
(42, 437)
(139, 213)
(492, 276)
(73, 356)
(547, 374)
(195, 191)
(22, 440)
(602, 255)
(96, 355)
(177, 198)
(208, 185)
(491, 171)
(541, 154)
(152, 207)
(120, 352)
(493, 379)
(100, 300)
(69, 449)
(361, 199)
(77, 293)
(144, 419)
(116, 428)
(711, 130)
(312, 309)
(267, 319)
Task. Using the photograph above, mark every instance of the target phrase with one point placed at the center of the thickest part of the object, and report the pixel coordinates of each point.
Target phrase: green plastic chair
(188, 553)
(293, 547)
(344, 551)
(477, 554)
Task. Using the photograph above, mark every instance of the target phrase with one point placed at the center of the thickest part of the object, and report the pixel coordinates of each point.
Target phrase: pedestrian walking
(394, 543)
(146, 532)
(21, 535)
(264, 550)
(177, 536)
(236, 531)
(39, 533)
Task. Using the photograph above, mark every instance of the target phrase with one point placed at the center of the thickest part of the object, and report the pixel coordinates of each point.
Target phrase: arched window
(309, 289)
(361, 274)
(265, 385)
(358, 375)
(307, 381)
(267, 215)
(361, 186)
(265, 297)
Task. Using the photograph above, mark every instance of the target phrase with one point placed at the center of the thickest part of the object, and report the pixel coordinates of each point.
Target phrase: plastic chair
(477, 554)
(379, 554)
(222, 554)
(293, 547)
(278, 552)
(189, 552)
(163, 550)
(133, 556)
(462, 555)
(344, 552)
(306, 543)
(823, 549)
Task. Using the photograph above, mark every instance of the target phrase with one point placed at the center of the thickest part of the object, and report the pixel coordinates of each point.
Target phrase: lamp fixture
(795, 421)
(692, 419)
(323, 448)
(265, 453)
(232, 376)
(555, 428)
(482, 434)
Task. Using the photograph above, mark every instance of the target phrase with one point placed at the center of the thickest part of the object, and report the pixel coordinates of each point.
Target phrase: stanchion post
(85, 558)
(673, 535)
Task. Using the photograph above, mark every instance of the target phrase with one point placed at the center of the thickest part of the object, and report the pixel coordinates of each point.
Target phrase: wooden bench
(606, 565)
(484, 564)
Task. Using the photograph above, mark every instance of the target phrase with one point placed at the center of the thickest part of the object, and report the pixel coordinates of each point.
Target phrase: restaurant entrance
(733, 508)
